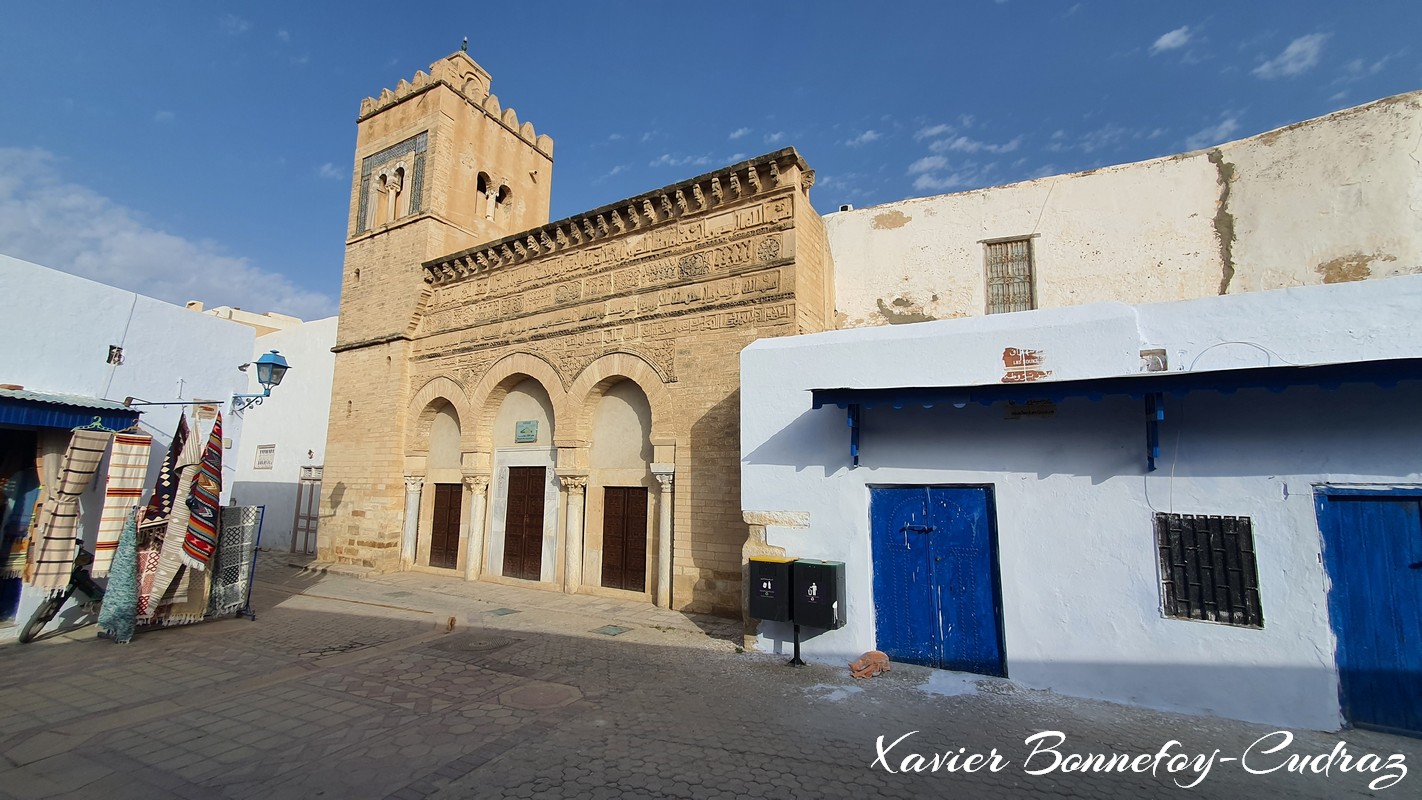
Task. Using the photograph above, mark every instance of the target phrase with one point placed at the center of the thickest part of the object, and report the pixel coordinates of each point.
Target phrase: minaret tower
(439, 167)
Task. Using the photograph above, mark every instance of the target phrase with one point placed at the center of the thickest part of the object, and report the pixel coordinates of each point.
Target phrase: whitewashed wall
(1081, 593)
(294, 419)
(57, 329)
(1328, 200)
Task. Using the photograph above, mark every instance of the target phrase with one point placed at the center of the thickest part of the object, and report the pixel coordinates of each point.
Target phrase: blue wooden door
(1372, 549)
(936, 593)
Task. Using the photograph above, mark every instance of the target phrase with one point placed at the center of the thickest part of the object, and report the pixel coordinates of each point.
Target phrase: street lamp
(271, 368)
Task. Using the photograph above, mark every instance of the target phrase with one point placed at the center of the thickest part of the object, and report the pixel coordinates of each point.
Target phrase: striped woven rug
(52, 554)
(128, 468)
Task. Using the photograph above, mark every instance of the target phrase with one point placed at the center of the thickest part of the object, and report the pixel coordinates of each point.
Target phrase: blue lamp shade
(271, 368)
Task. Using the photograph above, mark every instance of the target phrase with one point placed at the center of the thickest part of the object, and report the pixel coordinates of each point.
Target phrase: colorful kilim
(52, 554)
(164, 588)
(160, 503)
(128, 467)
(203, 503)
(117, 617)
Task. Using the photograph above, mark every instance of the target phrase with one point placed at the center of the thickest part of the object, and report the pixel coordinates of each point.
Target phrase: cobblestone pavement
(358, 688)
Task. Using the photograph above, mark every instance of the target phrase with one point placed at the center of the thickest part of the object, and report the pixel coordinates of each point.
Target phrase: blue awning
(1149, 386)
(51, 410)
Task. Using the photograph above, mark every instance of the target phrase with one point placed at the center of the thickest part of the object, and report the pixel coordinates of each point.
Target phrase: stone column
(411, 530)
(476, 487)
(664, 539)
(575, 486)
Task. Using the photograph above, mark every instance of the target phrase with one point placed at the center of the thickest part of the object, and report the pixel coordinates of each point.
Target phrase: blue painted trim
(854, 413)
(31, 414)
(1155, 414)
(1384, 373)
(1324, 491)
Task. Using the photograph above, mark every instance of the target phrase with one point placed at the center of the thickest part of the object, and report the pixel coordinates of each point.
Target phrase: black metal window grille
(1011, 284)
(1208, 570)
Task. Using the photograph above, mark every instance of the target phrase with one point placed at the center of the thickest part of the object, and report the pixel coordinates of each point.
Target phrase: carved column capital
(665, 479)
(574, 484)
(476, 483)
(414, 483)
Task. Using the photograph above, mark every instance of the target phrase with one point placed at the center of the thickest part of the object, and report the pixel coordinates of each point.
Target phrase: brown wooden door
(624, 538)
(444, 533)
(523, 523)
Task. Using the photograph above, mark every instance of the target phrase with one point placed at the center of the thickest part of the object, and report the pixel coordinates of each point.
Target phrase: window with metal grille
(266, 454)
(1011, 284)
(1207, 569)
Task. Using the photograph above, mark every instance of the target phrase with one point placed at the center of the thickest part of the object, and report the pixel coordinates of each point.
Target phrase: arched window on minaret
(399, 198)
(379, 204)
(503, 201)
(483, 204)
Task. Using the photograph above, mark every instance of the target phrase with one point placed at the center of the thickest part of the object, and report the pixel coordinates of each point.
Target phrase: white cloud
(1300, 56)
(927, 164)
(936, 173)
(164, 116)
(864, 138)
(937, 130)
(738, 133)
(1172, 40)
(283, 35)
(962, 144)
(617, 170)
(772, 138)
(1109, 135)
(669, 160)
(615, 137)
(1212, 135)
(70, 227)
(233, 24)
(329, 170)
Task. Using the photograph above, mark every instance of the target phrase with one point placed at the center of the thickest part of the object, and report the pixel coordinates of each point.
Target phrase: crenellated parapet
(701, 196)
(462, 75)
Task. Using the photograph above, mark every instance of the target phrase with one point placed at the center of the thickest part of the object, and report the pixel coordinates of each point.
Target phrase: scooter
(79, 581)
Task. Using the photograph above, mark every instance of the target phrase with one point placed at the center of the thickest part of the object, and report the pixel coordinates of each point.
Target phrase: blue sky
(202, 150)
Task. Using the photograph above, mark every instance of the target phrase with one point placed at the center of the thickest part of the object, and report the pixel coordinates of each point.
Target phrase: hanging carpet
(200, 541)
(164, 589)
(51, 556)
(128, 467)
(119, 612)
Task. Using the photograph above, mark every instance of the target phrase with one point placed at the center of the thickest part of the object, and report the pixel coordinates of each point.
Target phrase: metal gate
(1372, 549)
(308, 507)
(936, 587)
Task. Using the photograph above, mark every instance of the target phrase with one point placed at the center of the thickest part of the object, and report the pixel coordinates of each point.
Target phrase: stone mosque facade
(551, 403)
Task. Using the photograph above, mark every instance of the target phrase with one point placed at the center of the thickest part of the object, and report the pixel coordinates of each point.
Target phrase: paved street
(358, 688)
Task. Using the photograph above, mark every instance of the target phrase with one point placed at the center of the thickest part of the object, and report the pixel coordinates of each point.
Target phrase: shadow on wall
(1248, 433)
(279, 497)
(713, 493)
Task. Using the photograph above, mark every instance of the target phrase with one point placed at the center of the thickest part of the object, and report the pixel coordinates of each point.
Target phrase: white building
(77, 349)
(284, 439)
(1012, 527)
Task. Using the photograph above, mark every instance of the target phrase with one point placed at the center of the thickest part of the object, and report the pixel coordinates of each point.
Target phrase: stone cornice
(713, 191)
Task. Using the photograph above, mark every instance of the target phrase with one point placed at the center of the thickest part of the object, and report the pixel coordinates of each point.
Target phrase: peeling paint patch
(903, 311)
(1022, 365)
(891, 219)
(1357, 267)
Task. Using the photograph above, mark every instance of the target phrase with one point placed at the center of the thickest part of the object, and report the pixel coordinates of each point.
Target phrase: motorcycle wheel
(41, 617)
